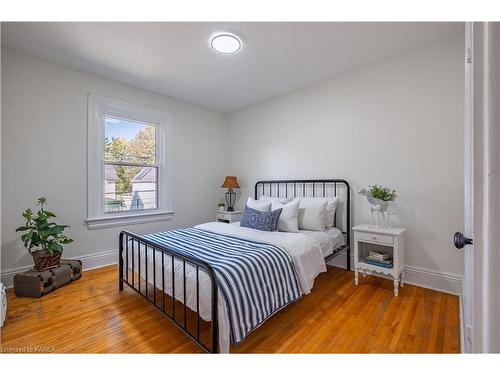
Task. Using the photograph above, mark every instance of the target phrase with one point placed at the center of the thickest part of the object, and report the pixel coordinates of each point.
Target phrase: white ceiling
(175, 59)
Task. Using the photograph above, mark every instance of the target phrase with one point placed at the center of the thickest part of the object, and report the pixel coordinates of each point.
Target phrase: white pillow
(312, 215)
(289, 218)
(331, 207)
(265, 198)
(258, 205)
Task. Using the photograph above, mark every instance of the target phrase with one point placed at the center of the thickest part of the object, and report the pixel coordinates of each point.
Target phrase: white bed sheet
(329, 240)
(306, 254)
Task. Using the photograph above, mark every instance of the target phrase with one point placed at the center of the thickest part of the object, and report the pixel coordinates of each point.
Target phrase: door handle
(460, 240)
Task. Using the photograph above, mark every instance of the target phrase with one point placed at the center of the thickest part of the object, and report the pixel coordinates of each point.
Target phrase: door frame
(468, 327)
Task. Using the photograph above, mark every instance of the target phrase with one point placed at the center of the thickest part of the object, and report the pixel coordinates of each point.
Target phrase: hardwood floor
(91, 316)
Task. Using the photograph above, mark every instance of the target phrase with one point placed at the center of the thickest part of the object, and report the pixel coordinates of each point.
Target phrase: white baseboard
(437, 280)
(91, 261)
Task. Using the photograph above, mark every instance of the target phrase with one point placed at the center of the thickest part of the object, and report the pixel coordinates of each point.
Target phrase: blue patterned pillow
(267, 221)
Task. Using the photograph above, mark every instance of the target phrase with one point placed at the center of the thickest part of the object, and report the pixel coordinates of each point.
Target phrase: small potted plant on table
(44, 236)
(221, 206)
(379, 198)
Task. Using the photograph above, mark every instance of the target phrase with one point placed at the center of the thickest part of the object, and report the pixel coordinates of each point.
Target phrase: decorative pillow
(261, 206)
(289, 218)
(331, 207)
(265, 198)
(266, 221)
(312, 216)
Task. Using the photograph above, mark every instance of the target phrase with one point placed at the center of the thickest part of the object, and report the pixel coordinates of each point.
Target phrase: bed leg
(120, 263)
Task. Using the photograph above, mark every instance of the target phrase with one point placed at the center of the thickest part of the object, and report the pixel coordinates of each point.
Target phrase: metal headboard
(316, 188)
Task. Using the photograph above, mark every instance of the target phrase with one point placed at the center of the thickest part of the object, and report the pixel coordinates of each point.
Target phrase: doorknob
(460, 240)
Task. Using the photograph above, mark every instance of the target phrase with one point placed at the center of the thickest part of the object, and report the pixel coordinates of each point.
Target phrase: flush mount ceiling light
(225, 43)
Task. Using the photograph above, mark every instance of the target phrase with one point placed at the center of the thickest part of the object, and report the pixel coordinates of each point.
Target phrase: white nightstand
(228, 216)
(387, 240)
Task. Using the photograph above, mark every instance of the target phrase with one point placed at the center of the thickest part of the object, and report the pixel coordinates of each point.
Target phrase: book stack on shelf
(379, 259)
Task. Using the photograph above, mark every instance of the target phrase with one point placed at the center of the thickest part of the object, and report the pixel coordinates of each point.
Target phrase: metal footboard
(131, 248)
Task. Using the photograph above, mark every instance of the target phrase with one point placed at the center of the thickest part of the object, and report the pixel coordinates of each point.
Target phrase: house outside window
(129, 178)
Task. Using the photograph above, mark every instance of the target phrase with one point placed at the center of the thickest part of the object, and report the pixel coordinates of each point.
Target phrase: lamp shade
(231, 182)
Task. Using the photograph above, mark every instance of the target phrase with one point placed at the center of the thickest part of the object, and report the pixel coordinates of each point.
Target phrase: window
(130, 167)
(128, 176)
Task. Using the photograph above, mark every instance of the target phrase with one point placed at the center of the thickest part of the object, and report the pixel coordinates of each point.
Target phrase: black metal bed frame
(131, 244)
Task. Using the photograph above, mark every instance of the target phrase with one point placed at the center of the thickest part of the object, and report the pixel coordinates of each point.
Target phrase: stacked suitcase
(38, 283)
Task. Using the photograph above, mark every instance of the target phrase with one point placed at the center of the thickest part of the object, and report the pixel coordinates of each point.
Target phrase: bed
(218, 282)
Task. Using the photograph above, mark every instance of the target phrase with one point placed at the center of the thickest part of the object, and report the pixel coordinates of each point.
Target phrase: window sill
(129, 219)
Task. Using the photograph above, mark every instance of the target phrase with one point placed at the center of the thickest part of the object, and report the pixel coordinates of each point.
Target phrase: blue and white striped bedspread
(256, 279)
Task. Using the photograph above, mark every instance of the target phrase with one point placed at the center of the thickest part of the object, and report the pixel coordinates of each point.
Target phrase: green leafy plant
(382, 193)
(41, 233)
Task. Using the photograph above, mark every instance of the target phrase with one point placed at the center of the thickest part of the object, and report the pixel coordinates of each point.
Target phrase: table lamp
(231, 182)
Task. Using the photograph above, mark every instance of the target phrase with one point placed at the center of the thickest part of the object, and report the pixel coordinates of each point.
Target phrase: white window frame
(98, 107)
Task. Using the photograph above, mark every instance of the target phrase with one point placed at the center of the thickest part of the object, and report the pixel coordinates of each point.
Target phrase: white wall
(44, 152)
(398, 123)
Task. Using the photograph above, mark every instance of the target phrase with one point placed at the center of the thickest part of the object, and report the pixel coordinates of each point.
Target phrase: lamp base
(230, 199)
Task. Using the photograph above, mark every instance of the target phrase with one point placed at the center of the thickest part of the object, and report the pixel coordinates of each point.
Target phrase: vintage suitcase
(76, 267)
(36, 284)
(33, 283)
(61, 275)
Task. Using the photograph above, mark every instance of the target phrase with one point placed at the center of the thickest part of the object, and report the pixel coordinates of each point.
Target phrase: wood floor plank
(91, 316)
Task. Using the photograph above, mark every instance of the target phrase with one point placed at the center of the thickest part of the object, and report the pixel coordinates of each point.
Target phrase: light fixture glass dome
(225, 43)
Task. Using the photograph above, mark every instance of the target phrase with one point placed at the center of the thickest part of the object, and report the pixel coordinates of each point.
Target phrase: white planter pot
(3, 304)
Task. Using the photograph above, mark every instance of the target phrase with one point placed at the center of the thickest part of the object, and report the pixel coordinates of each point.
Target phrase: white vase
(381, 209)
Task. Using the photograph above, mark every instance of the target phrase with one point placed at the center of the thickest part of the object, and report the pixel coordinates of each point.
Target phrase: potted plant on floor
(44, 236)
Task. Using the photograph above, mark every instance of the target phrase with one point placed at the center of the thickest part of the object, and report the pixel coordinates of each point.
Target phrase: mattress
(329, 240)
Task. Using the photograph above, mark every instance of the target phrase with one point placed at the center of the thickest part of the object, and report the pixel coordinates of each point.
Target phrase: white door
(481, 295)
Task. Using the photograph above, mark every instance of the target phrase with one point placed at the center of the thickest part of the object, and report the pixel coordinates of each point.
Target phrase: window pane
(129, 188)
(129, 141)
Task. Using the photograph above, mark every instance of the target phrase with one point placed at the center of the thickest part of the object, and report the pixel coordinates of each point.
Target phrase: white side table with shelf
(387, 240)
(228, 216)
